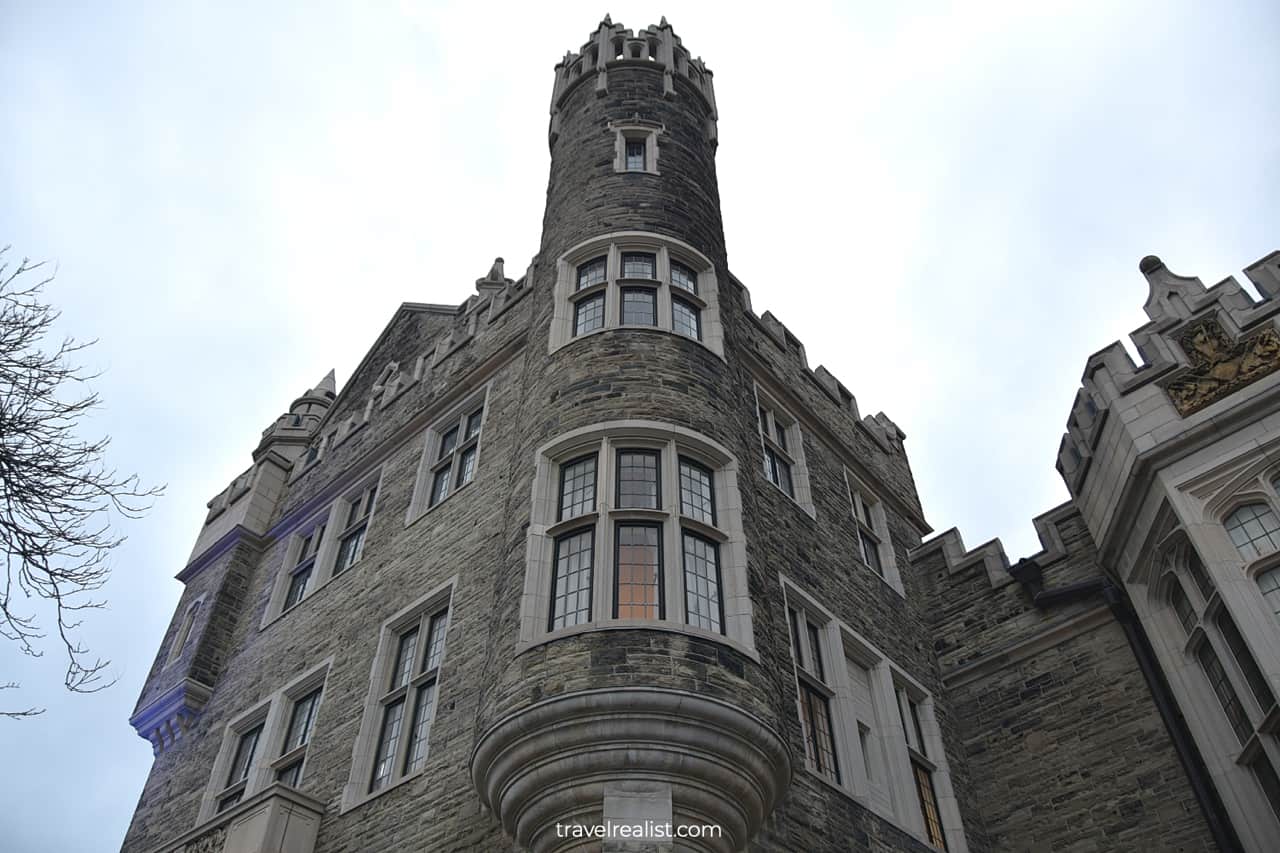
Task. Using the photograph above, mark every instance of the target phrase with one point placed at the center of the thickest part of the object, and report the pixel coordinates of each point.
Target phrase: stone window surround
(333, 517)
(363, 752)
(803, 496)
(420, 504)
(673, 441)
(889, 683)
(1227, 760)
(185, 628)
(859, 493)
(273, 713)
(636, 130)
(613, 245)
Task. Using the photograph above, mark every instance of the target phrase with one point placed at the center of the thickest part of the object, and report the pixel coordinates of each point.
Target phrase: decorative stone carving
(1220, 365)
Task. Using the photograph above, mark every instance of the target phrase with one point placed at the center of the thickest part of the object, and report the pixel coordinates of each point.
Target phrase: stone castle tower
(597, 547)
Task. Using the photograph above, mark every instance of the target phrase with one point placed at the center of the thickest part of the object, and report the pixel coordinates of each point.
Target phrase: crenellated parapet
(612, 45)
(1200, 347)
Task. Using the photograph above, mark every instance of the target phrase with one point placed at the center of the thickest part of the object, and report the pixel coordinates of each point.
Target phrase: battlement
(612, 45)
(1202, 344)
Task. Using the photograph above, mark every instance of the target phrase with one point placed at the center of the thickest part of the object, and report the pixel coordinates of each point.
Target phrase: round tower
(627, 682)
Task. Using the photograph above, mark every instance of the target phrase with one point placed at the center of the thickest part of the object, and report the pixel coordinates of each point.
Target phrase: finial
(1150, 264)
(608, 21)
(495, 272)
(328, 383)
(663, 22)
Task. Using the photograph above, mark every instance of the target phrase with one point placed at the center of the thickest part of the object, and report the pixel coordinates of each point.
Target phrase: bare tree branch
(56, 494)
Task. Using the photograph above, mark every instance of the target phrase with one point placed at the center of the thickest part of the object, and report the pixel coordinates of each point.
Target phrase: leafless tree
(57, 497)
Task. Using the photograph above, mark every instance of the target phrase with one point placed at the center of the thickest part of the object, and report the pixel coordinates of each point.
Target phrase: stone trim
(169, 716)
(1051, 635)
(672, 441)
(636, 129)
(277, 818)
(552, 761)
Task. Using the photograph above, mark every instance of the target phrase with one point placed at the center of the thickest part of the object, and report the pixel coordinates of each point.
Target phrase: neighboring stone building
(597, 544)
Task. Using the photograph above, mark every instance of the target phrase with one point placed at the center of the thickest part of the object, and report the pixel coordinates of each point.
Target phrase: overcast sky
(947, 205)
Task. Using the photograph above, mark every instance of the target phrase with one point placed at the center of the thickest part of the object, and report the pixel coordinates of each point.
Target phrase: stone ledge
(276, 820)
(165, 719)
(551, 763)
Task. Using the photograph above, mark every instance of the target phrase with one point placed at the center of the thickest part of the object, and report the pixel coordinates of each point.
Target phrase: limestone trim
(363, 752)
(706, 302)
(636, 130)
(552, 761)
(276, 818)
(1051, 635)
(870, 716)
(272, 714)
(184, 630)
(671, 443)
(166, 719)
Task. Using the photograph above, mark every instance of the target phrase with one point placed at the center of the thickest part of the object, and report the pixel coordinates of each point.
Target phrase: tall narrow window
(1182, 607)
(1254, 529)
(815, 696)
(638, 486)
(928, 805)
(704, 606)
(1265, 773)
(635, 155)
(571, 579)
(351, 545)
(817, 724)
(1269, 584)
(697, 492)
(408, 703)
(304, 567)
(1226, 694)
(1195, 568)
(456, 453)
(1253, 675)
(588, 314)
(869, 539)
(639, 306)
(777, 461)
(241, 766)
(302, 719)
(638, 572)
(184, 630)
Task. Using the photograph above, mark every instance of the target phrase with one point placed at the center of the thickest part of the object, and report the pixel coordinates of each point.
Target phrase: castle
(598, 548)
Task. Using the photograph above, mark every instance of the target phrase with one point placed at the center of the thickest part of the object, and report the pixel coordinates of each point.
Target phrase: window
(815, 699)
(1182, 607)
(635, 280)
(1195, 568)
(1254, 529)
(872, 531)
(184, 630)
(893, 765)
(451, 454)
(393, 743)
(300, 577)
(686, 319)
(1226, 694)
(1269, 584)
(639, 306)
(663, 548)
(782, 450)
(1265, 773)
(409, 692)
(266, 744)
(1253, 675)
(635, 155)
(297, 736)
(592, 273)
(777, 463)
(351, 544)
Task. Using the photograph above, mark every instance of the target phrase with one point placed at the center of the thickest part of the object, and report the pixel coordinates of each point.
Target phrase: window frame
(418, 615)
(871, 521)
(549, 531)
(570, 298)
(780, 435)
(185, 629)
(437, 460)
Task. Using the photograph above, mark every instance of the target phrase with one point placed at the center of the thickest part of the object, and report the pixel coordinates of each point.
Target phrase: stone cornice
(166, 717)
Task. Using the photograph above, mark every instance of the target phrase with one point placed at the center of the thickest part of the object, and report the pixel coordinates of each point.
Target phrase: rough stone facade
(1033, 720)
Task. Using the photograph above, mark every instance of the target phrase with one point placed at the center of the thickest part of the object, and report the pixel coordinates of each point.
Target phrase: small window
(684, 277)
(184, 630)
(704, 606)
(686, 319)
(1269, 584)
(577, 487)
(1195, 568)
(777, 461)
(817, 726)
(408, 701)
(241, 766)
(1265, 773)
(592, 273)
(697, 492)
(639, 306)
(456, 454)
(928, 805)
(638, 572)
(351, 545)
(638, 486)
(635, 155)
(1254, 529)
(304, 567)
(639, 265)
(1182, 608)
(588, 314)
(1226, 694)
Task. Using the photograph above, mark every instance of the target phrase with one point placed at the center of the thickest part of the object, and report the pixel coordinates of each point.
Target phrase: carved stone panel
(1220, 365)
